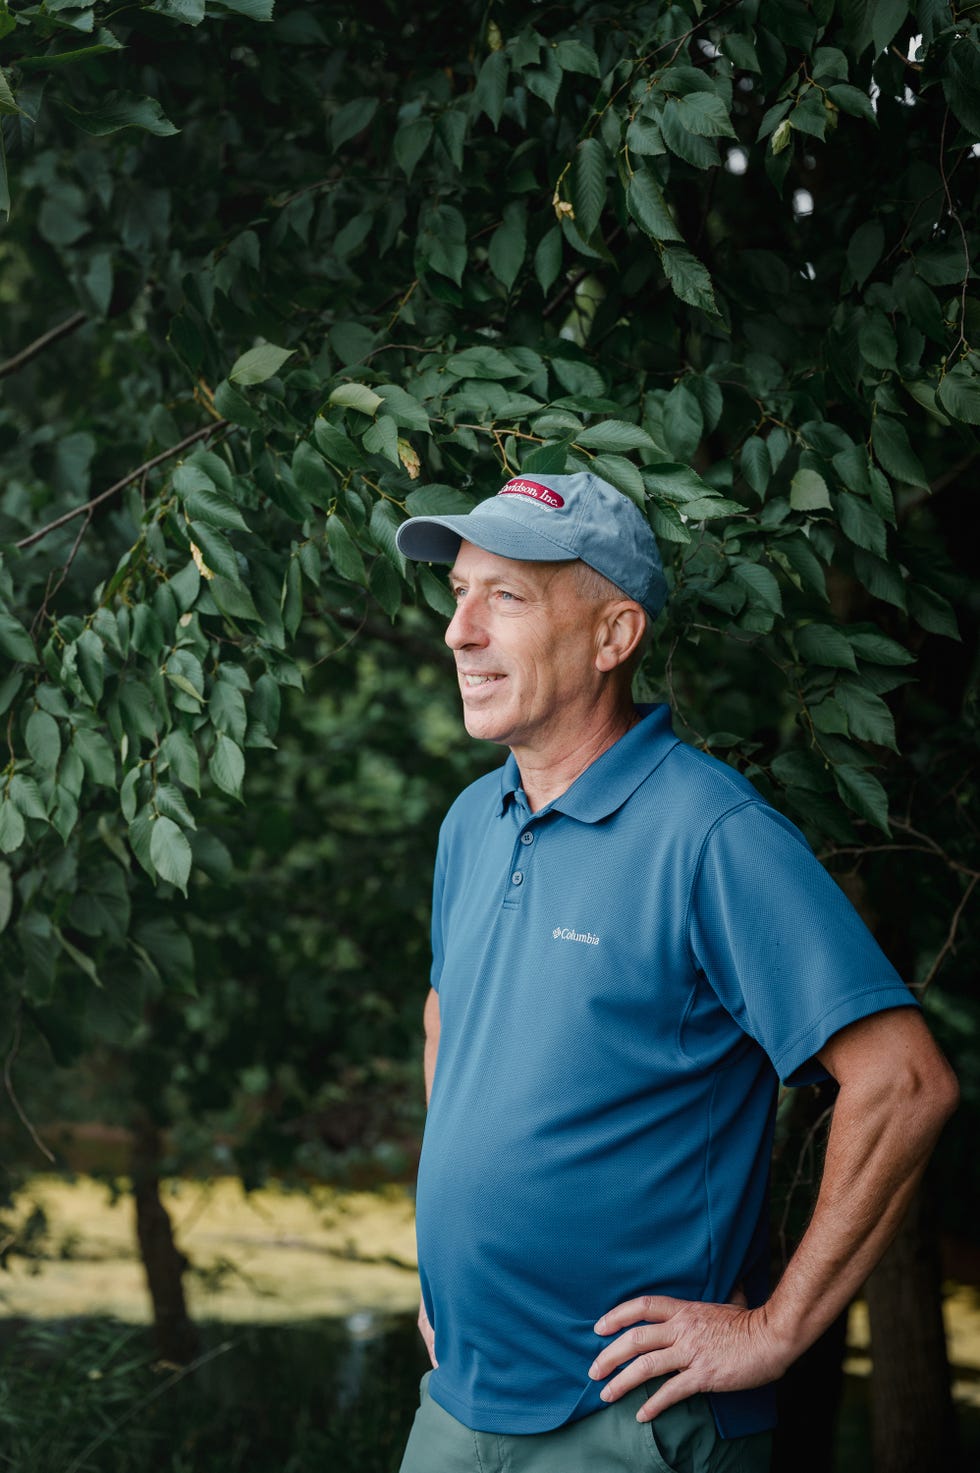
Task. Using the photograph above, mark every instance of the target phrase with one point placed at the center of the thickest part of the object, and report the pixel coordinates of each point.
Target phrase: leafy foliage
(281, 275)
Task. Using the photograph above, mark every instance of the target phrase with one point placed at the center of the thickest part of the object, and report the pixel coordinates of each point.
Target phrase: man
(629, 946)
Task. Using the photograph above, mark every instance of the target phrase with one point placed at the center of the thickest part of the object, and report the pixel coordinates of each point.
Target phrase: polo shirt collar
(607, 782)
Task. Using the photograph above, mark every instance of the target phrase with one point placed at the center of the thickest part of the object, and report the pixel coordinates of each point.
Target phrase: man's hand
(700, 1347)
(427, 1333)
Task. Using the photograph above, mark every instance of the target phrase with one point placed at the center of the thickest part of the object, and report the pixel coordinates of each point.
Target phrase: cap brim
(437, 539)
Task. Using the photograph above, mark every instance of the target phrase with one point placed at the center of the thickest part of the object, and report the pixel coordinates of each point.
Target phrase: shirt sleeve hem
(797, 1063)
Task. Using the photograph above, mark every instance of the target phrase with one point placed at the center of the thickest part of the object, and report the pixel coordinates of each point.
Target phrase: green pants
(683, 1439)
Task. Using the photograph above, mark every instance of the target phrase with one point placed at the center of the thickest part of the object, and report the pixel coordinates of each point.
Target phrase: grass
(88, 1397)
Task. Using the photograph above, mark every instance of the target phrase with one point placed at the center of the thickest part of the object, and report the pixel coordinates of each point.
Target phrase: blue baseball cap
(552, 519)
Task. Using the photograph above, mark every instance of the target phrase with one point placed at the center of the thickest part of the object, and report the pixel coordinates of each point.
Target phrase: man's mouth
(470, 681)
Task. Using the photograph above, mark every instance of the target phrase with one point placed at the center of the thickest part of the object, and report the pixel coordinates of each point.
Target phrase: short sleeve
(438, 899)
(780, 944)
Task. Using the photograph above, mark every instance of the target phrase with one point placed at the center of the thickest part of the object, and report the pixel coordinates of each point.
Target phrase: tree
(274, 277)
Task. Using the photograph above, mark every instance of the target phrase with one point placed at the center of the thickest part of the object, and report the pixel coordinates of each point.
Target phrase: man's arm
(896, 1092)
(430, 1020)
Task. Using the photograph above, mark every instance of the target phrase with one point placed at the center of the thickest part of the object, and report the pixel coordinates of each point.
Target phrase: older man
(630, 947)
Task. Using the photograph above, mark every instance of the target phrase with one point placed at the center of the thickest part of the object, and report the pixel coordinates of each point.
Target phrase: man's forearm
(896, 1090)
(884, 1128)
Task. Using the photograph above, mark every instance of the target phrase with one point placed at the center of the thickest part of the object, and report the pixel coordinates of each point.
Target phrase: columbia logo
(562, 933)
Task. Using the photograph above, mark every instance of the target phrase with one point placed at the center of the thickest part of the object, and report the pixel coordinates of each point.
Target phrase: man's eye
(504, 594)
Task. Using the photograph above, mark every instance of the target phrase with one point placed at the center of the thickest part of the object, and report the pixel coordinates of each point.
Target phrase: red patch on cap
(534, 490)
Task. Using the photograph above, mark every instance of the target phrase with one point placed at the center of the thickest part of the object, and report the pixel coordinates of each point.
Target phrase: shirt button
(527, 837)
(517, 878)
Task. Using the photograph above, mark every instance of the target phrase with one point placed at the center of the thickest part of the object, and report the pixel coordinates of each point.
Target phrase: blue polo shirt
(622, 976)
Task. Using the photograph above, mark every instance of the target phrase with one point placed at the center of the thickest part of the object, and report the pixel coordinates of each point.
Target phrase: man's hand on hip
(700, 1347)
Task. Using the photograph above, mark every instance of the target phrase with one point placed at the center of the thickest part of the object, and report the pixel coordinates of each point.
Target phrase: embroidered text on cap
(534, 490)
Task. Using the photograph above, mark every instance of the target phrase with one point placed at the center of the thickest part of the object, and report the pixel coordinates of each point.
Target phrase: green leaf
(233, 600)
(436, 500)
(260, 10)
(344, 553)
(891, 445)
(878, 648)
(234, 406)
(575, 56)
(357, 396)
(259, 364)
(547, 259)
(384, 525)
(702, 153)
(386, 587)
(171, 802)
(705, 114)
(588, 185)
(864, 250)
(97, 756)
(861, 524)
(410, 143)
(615, 434)
(688, 278)
(756, 465)
(821, 644)
(404, 409)
(381, 438)
(761, 585)
(179, 750)
(15, 640)
(932, 611)
(852, 100)
(435, 592)
(808, 491)
(43, 740)
(170, 852)
(312, 477)
(623, 474)
(683, 422)
(227, 766)
(122, 110)
(961, 83)
(81, 958)
(959, 394)
(227, 710)
(217, 551)
(877, 341)
(863, 793)
(868, 717)
(214, 510)
(643, 136)
(488, 363)
(351, 119)
(25, 794)
(6, 896)
(508, 245)
(490, 92)
(646, 204)
(12, 830)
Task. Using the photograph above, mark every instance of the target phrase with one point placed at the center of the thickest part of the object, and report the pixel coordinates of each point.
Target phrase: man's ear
(620, 631)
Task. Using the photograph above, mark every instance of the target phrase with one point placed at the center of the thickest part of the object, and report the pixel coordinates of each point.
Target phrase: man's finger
(638, 1341)
(648, 1307)
(675, 1388)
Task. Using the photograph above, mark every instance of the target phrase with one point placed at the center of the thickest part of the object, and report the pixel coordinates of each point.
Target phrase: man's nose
(465, 627)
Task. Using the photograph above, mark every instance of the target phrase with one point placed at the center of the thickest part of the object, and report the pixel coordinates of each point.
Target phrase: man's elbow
(932, 1092)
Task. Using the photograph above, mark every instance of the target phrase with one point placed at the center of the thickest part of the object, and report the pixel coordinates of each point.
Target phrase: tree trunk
(913, 1422)
(163, 1262)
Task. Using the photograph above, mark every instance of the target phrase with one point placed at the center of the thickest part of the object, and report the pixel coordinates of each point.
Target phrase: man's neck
(545, 776)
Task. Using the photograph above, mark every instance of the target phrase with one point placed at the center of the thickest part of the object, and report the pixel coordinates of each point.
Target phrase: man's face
(524, 640)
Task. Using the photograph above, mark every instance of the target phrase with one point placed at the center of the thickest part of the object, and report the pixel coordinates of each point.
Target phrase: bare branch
(50, 592)
(8, 1082)
(25, 355)
(148, 465)
(922, 987)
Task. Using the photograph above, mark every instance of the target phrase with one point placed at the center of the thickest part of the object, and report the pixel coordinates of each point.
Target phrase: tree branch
(25, 355)
(141, 470)
(8, 1081)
